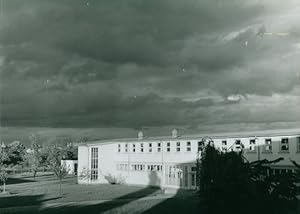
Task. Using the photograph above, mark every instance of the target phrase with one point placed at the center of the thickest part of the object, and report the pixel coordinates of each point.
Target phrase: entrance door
(193, 180)
(75, 168)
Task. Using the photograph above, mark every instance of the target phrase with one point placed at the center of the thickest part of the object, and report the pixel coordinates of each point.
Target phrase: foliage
(3, 173)
(84, 174)
(15, 152)
(70, 152)
(231, 184)
(112, 179)
(33, 158)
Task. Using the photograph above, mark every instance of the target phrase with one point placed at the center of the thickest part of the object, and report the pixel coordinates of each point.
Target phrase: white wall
(83, 164)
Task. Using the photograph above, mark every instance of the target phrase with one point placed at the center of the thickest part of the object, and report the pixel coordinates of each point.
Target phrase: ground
(43, 196)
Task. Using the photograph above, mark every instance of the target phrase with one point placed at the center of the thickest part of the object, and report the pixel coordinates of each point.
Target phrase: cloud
(135, 63)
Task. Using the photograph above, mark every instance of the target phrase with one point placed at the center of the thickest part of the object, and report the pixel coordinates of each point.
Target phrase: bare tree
(55, 155)
(61, 172)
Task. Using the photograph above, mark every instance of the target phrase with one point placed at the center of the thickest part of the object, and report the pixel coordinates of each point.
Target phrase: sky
(159, 63)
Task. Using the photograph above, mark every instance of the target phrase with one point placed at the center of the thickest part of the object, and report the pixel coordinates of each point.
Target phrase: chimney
(140, 135)
(174, 133)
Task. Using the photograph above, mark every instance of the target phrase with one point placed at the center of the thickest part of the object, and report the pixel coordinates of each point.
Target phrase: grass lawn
(42, 196)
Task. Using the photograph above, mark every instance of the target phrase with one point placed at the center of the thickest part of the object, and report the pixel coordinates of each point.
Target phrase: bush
(112, 179)
(230, 184)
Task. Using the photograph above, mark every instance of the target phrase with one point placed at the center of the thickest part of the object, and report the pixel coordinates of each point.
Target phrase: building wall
(141, 162)
(83, 164)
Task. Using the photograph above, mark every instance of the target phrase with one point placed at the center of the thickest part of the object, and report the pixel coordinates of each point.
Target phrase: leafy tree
(231, 184)
(70, 152)
(3, 173)
(16, 153)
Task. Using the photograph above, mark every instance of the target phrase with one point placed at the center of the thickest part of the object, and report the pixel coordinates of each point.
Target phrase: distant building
(171, 161)
(70, 166)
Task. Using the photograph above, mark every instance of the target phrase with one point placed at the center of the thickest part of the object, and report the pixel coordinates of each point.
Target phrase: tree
(15, 152)
(55, 155)
(3, 173)
(34, 156)
(231, 184)
(70, 152)
(61, 172)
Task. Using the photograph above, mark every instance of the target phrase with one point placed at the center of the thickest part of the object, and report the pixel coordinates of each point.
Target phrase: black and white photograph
(150, 106)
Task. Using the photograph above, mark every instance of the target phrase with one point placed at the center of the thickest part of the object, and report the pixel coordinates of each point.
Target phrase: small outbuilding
(71, 166)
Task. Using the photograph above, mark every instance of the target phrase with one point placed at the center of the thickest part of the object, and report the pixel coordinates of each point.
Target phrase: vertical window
(200, 146)
(150, 147)
(178, 146)
(284, 146)
(133, 147)
(119, 147)
(126, 147)
(238, 145)
(168, 147)
(158, 147)
(224, 146)
(252, 145)
(298, 144)
(188, 146)
(142, 147)
(94, 164)
(268, 145)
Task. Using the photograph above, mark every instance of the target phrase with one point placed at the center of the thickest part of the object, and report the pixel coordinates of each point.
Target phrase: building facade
(171, 161)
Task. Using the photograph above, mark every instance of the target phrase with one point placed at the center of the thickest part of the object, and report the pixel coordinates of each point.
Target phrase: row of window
(284, 146)
(139, 167)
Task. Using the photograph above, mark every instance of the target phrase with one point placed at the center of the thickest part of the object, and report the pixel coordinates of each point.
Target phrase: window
(168, 147)
(158, 147)
(122, 167)
(94, 164)
(224, 146)
(126, 147)
(178, 146)
(142, 147)
(188, 146)
(133, 147)
(252, 147)
(150, 147)
(284, 146)
(119, 147)
(268, 145)
(154, 167)
(138, 167)
(238, 145)
(298, 144)
(200, 146)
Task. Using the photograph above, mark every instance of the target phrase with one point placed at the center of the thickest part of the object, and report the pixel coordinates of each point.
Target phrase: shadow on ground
(129, 203)
(18, 181)
(20, 201)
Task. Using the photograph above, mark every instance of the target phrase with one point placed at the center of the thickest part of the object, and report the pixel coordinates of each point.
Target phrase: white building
(70, 165)
(171, 161)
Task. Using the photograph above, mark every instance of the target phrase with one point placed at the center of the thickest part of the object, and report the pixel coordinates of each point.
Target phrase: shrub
(112, 179)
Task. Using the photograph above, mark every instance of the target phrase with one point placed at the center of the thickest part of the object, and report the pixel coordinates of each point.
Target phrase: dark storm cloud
(135, 63)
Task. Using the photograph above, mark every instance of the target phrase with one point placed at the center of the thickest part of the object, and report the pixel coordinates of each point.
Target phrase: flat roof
(244, 134)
